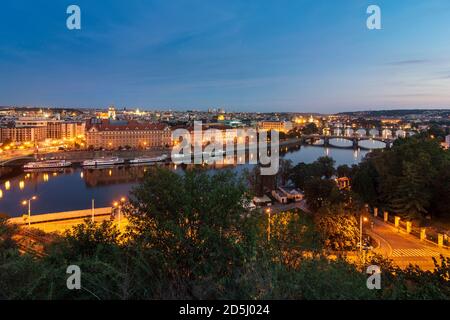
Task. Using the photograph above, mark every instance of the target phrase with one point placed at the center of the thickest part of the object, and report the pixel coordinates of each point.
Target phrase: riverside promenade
(61, 221)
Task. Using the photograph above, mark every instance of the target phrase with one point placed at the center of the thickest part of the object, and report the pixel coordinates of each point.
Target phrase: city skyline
(300, 56)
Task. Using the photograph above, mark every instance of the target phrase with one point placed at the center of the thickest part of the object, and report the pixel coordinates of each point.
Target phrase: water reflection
(372, 144)
(341, 142)
(74, 188)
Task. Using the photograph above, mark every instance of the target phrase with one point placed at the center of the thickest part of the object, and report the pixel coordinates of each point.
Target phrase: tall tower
(112, 113)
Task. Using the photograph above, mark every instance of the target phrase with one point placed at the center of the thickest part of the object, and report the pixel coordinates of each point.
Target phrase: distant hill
(398, 113)
(74, 110)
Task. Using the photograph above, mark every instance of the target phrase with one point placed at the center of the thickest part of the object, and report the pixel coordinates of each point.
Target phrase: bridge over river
(335, 137)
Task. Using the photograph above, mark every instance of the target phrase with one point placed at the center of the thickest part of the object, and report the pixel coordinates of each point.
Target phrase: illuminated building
(65, 129)
(343, 183)
(32, 129)
(275, 125)
(23, 134)
(111, 113)
(112, 134)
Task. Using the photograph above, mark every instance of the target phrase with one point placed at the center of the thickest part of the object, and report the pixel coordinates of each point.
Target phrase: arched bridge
(19, 160)
(386, 136)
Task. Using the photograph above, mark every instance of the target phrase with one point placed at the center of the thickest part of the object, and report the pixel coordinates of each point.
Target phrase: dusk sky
(249, 55)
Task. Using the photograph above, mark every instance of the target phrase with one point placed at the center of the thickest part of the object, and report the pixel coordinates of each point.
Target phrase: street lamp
(93, 209)
(361, 220)
(118, 205)
(25, 202)
(268, 211)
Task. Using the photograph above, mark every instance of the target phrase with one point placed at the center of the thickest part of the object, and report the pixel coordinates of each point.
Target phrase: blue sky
(249, 55)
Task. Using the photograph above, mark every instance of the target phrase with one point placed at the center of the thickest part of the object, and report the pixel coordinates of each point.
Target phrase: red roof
(107, 125)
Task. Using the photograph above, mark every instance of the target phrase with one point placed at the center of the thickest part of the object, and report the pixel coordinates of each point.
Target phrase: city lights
(202, 150)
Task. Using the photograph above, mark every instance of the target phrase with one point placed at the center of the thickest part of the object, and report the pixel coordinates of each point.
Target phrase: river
(74, 188)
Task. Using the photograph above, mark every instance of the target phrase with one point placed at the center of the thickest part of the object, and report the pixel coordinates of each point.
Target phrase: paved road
(404, 249)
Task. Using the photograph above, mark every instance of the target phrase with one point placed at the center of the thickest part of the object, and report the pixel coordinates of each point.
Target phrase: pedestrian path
(416, 252)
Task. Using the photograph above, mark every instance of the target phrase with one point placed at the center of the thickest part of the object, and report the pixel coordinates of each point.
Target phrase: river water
(74, 188)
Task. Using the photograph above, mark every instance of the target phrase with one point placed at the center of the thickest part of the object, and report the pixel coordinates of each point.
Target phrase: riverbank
(78, 156)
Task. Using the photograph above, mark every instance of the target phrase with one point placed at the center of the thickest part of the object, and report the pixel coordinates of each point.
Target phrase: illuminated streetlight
(29, 208)
(268, 211)
(361, 220)
(118, 205)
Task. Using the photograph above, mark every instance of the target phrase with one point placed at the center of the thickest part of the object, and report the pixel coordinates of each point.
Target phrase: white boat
(102, 162)
(47, 164)
(148, 159)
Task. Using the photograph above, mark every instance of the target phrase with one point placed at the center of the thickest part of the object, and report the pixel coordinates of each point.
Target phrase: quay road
(62, 221)
(395, 244)
(403, 248)
(79, 155)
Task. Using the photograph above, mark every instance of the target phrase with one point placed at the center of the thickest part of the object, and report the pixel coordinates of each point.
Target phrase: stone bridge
(19, 160)
(386, 136)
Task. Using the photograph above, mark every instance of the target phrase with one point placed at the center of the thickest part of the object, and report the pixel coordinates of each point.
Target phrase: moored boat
(148, 159)
(102, 162)
(47, 164)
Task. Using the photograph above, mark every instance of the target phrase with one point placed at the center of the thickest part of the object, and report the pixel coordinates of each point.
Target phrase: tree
(197, 226)
(440, 202)
(344, 171)
(300, 174)
(406, 178)
(88, 239)
(324, 167)
(365, 183)
(254, 180)
(285, 169)
(411, 198)
(7, 232)
(191, 238)
(310, 128)
(291, 233)
(321, 192)
(338, 229)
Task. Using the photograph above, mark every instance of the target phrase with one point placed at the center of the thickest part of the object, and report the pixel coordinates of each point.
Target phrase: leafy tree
(254, 180)
(310, 128)
(191, 238)
(300, 174)
(338, 228)
(291, 233)
(365, 183)
(88, 239)
(285, 168)
(405, 179)
(440, 202)
(197, 225)
(322, 192)
(319, 278)
(7, 232)
(411, 198)
(344, 171)
(324, 167)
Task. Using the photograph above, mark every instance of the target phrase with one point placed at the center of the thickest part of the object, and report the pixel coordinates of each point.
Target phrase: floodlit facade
(23, 134)
(274, 125)
(111, 134)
